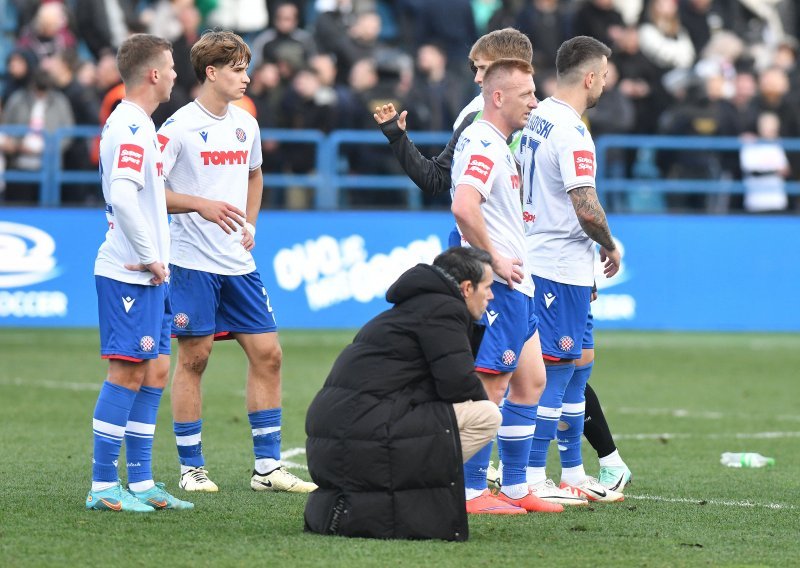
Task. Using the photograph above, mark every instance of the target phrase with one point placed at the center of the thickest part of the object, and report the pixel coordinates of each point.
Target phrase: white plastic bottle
(745, 460)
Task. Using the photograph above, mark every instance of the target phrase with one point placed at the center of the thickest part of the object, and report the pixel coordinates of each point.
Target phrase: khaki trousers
(478, 422)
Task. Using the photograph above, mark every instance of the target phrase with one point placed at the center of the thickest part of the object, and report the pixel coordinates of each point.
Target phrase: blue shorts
(563, 311)
(588, 335)
(205, 303)
(510, 321)
(134, 320)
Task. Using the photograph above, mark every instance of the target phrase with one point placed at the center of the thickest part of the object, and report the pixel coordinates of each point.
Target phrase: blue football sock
(514, 437)
(139, 433)
(110, 417)
(475, 468)
(190, 446)
(266, 428)
(574, 410)
(549, 412)
(499, 449)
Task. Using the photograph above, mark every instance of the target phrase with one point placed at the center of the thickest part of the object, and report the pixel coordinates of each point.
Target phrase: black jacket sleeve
(431, 175)
(445, 340)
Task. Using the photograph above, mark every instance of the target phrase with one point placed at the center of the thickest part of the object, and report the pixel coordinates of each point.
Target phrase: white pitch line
(723, 436)
(290, 453)
(57, 385)
(709, 502)
(695, 414)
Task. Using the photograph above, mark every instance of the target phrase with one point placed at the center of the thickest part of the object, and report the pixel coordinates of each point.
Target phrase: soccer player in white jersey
(212, 150)
(131, 275)
(433, 177)
(487, 210)
(563, 220)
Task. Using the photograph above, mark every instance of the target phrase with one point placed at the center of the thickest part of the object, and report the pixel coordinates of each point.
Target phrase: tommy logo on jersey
(584, 163)
(130, 156)
(479, 167)
(221, 158)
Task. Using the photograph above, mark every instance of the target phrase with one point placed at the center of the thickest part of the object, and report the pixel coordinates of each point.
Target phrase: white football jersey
(482, 159)
(210, 156)
(475, 105)
(557, 155)
(129, 150)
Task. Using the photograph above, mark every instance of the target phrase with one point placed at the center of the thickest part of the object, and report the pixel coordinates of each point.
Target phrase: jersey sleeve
(129, 157)
(576, 159)
(481, 169)
(169, 143)
(255, 152)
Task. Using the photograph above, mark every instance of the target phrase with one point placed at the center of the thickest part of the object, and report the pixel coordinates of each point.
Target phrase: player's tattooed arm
(591, 216)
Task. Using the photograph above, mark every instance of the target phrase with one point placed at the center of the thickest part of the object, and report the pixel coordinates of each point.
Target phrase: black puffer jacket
(383, 442)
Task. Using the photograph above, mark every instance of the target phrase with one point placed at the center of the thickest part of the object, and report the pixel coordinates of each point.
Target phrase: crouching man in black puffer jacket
(402, 409)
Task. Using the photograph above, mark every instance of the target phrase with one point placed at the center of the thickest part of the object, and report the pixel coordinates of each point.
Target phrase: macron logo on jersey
(584, 163)
(204, 136)
(133, 128)
(131, 156)
(221, 158)
(479, 167)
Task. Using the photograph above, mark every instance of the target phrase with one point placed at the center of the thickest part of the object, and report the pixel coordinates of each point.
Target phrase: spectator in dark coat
(388, 433)
(547, 26)
(600, 20)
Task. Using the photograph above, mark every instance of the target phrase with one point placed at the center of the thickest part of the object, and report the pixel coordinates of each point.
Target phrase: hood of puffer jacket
(422, 279)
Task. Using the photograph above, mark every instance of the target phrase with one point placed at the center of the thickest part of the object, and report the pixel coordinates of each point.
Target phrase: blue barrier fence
(326, 269)
(328, 178)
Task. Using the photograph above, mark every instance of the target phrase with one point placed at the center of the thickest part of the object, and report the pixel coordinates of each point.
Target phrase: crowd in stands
(679, 67)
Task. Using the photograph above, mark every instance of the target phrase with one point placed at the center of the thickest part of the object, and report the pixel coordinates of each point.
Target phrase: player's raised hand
(509, 269)
(223, 214)
(387, 112)
(157, 269)
(611, 261)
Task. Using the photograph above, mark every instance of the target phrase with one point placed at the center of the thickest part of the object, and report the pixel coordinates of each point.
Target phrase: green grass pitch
(674, 401)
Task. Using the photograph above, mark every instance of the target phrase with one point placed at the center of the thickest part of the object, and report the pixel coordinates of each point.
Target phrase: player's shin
(108, 425)
(570, 428)
(548, 415)
(475, 471)
(514, 441)
(266, 430)
(139, 433)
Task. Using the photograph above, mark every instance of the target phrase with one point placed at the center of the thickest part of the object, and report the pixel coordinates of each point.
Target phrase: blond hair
(507, 43)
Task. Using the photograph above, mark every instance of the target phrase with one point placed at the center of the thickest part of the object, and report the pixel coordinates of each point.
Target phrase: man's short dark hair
(575, 53)
(464, 263)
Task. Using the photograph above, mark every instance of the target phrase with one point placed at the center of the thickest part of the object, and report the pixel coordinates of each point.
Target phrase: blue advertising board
(332, 269)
